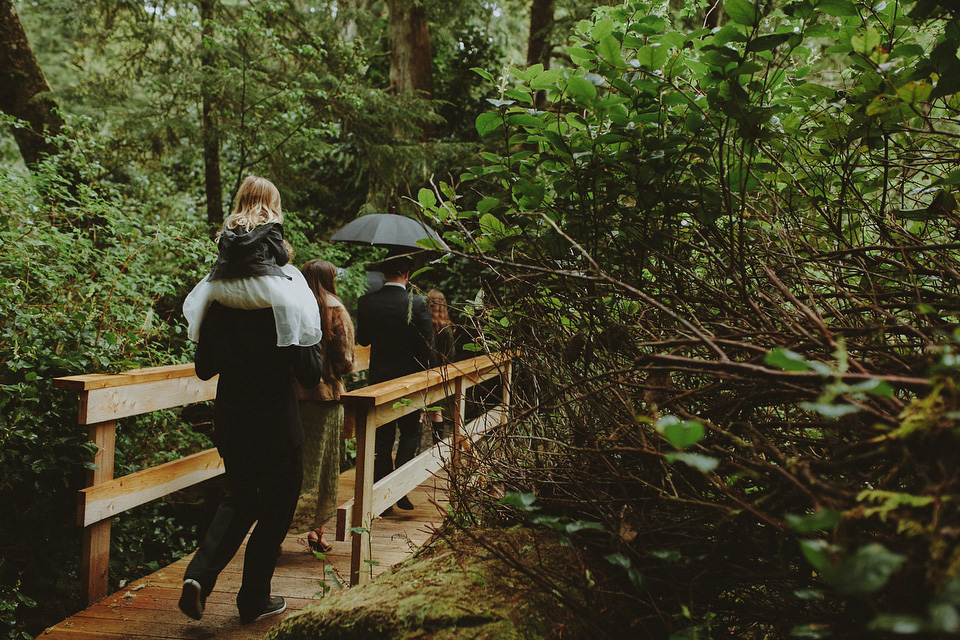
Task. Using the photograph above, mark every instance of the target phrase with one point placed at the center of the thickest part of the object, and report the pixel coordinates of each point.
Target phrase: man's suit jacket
(398, 328)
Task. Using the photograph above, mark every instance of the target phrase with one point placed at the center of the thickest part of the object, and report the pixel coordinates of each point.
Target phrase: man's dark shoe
(191, 601)
(405, 504)
(275, 605)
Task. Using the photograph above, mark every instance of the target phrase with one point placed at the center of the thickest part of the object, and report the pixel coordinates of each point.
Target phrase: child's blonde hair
(257, 203)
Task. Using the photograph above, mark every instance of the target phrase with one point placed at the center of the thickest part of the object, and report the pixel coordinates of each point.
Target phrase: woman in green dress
(320, 410)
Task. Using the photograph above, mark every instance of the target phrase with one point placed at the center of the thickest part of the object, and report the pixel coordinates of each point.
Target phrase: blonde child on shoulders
(253, 270)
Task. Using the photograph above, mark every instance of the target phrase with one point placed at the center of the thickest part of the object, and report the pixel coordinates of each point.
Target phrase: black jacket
(256, 404)
(398, 328)
(245, 254)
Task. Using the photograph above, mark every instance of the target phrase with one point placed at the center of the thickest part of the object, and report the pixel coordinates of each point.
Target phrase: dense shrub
(730, 272)
(88, 286)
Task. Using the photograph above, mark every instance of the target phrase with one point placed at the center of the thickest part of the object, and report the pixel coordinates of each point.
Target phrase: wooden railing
(380, 403)
(105, 398)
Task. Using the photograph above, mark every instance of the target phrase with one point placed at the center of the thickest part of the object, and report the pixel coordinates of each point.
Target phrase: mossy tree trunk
(25, 94)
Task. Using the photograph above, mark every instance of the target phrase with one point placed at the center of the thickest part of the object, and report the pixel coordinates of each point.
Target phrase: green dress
(322, 441)
(322, 417)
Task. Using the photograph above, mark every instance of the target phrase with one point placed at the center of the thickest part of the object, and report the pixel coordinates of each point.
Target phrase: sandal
(316, 542)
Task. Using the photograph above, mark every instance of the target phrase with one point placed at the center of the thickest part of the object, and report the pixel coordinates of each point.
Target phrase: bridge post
(506, 381)
(95, 560)
(459, 414)
(361, 519)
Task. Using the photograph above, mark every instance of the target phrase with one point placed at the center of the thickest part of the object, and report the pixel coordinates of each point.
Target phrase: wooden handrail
(377, 404)
(105, 398)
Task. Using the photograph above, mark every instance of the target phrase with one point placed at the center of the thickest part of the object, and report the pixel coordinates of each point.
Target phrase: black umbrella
(388, 230)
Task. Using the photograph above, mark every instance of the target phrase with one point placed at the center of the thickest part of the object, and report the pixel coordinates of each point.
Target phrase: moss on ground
(453, 589)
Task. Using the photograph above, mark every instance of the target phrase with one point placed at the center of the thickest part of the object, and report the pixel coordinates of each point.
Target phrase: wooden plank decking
(147, 608)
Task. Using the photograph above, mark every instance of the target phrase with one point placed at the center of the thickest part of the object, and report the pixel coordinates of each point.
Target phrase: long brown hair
(321, 277)
(438, 310)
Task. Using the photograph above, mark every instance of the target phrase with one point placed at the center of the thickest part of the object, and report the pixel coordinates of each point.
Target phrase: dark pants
(407, 446)
(263, 486)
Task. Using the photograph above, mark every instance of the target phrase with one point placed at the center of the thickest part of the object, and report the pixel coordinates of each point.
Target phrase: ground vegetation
(726, 260)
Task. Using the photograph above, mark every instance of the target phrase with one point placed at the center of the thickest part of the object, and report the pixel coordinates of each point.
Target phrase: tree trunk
(346, 17)
(409, 35)
(538, 45)
(211, 135)
(25, 93)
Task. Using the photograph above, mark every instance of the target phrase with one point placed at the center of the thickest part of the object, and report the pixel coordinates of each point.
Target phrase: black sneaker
(275, 605)
(191, 601)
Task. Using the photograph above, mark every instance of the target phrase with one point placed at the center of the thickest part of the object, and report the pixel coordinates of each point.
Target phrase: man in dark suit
(398, 328)
(258, 434)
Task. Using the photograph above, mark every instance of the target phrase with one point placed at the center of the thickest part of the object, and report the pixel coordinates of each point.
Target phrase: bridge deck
(147, 608)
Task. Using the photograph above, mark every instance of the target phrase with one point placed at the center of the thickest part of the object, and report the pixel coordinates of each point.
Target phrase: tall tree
(347, 17)
(211, 135)
(410, 58)
(26, 94)
(541, 22)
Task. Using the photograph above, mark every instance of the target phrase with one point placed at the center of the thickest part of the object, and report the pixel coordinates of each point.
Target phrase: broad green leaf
(742, 12)
(727, 34)
(520, 96)
(914, 92)
(882, 104)
(674, 39)
(581, 89)
(786, 360)
(907, 51)
(866, 571)
(822, 520)
(427, 198)
(767, 43)
(838, 7)
(581, 525)
(864, 43)
(619, 560)
(429, 243)
(491, 225)
(531, 194)
(655, 22)
(602, 29)
(487, 203)
(546, 80)
(820, 554)
(874, 386)
(525, 120)
(488, 123)
(483, 73)
(520, 501)
(581, 56)
(652, 56)
(684, 434)
(609, 50)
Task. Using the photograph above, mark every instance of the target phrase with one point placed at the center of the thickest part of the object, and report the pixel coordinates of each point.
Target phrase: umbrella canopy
(387, 230)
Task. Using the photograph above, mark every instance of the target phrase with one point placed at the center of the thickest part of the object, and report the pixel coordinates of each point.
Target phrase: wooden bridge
(365, 545)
